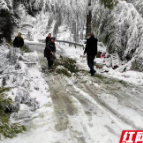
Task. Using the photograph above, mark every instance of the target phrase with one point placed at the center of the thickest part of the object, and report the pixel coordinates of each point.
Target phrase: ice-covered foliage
(109, 3)
(120, 30)
(7, 128)
(138, 4)
(7, 19)
(32, 6)
(28, 92)
(62, 16)
(3, 5)
(53, 15)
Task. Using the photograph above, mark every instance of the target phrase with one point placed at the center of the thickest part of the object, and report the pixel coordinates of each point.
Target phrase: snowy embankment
(29, 90)
(23, 76)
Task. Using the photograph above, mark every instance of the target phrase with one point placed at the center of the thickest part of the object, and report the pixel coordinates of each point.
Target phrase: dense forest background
(118, 24)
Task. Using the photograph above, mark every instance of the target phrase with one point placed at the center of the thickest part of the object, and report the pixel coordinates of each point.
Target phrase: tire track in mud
(94, 93)
(64, 108)
(128, 95)
(63, 105)
(89, 107)
(114, 112)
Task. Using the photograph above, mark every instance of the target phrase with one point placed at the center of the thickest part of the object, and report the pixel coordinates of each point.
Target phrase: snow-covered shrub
(109, 3)
(137, 64)
(7, 129)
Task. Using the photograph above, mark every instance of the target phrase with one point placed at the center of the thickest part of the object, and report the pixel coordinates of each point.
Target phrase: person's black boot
(93, 73)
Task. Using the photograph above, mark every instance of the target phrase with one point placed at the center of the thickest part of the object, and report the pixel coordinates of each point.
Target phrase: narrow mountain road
(92, 109)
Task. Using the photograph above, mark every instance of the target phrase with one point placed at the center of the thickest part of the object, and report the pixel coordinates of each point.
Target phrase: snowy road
(36, 46)
(95, 110)
(102, 106)
(84, 109)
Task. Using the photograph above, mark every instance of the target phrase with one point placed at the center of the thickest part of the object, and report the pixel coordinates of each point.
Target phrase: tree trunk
(89, 19)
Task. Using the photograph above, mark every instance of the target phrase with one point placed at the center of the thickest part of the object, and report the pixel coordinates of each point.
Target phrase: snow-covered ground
(80, 109)
(133, 77)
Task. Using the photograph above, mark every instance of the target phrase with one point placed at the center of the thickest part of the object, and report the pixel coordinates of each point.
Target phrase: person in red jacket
(91, 51)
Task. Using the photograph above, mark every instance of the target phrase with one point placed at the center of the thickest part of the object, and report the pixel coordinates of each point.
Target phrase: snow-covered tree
(7, 19)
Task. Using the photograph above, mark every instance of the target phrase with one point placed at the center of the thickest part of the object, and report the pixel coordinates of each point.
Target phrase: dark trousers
(90, 62)
(50, 63)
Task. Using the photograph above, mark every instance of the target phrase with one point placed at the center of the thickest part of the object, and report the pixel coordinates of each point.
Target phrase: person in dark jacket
(48, 38)
(18, 41)
(91, 51)
(50, 51)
